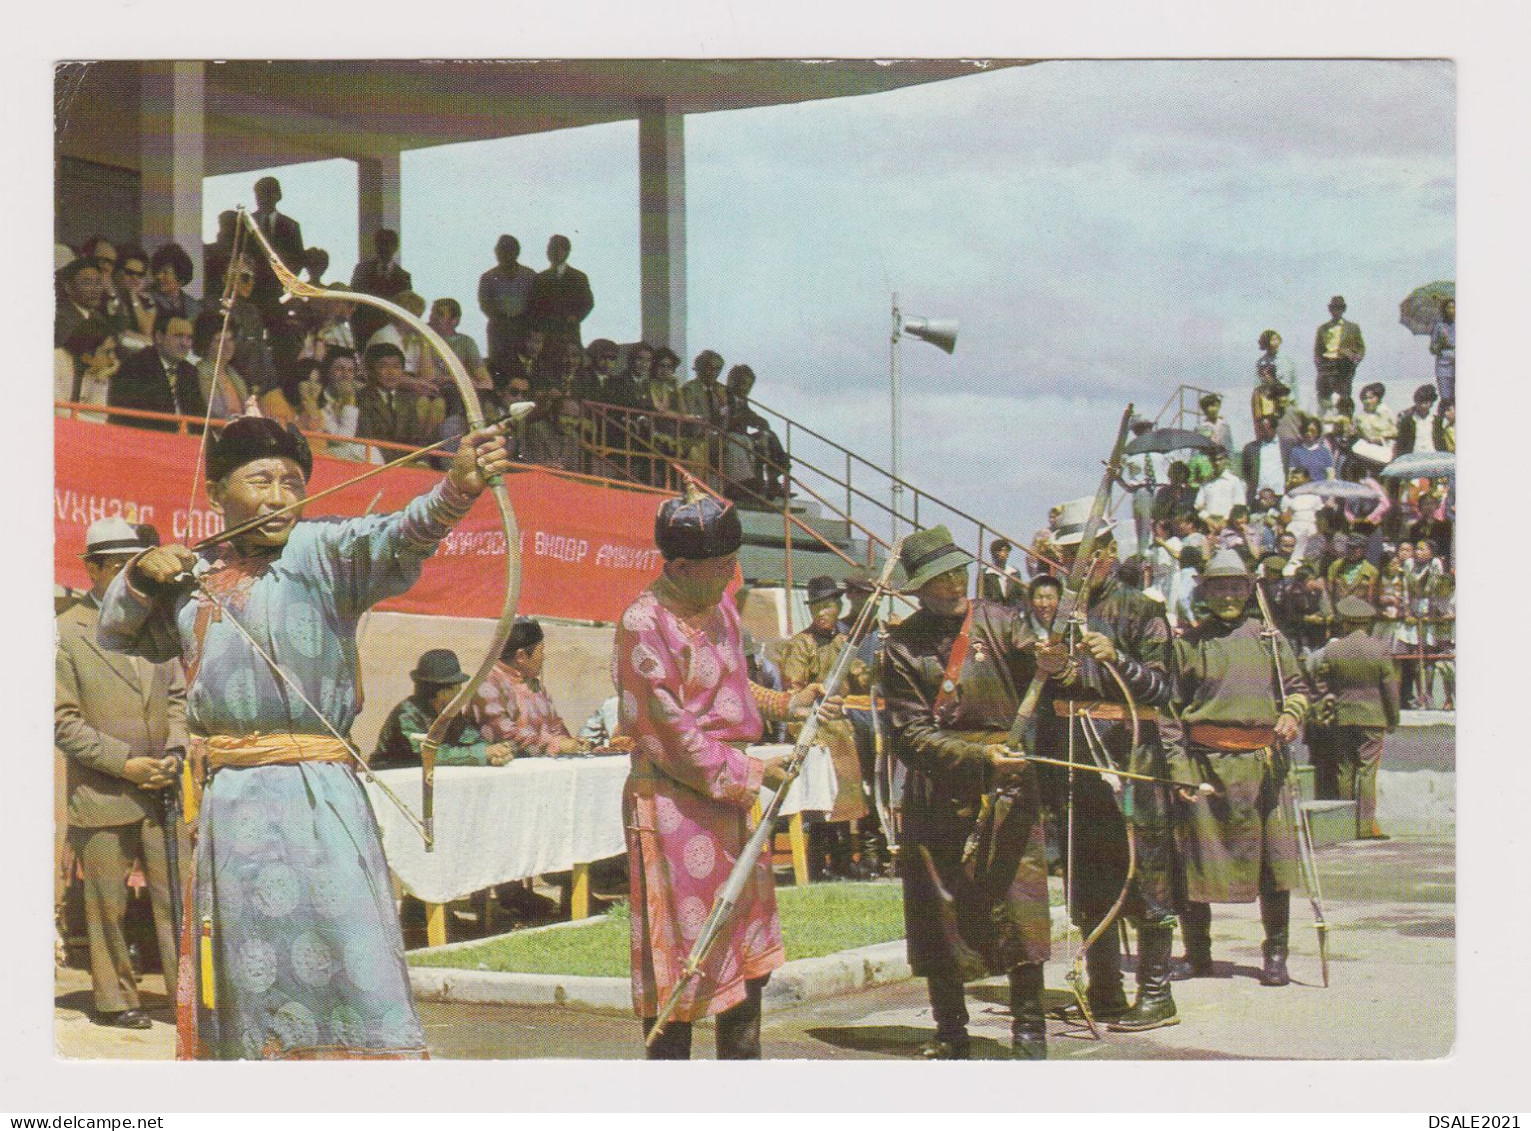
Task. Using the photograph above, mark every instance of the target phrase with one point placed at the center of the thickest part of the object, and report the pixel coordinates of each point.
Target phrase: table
(813, 791)
(500, 823)
(495, 824)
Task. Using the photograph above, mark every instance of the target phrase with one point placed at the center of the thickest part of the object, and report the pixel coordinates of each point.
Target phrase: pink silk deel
(686, 701)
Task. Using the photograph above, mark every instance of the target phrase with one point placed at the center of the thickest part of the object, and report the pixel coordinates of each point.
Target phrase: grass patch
(816, 920)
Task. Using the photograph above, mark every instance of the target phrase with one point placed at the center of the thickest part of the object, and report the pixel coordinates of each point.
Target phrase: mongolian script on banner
(586, 549)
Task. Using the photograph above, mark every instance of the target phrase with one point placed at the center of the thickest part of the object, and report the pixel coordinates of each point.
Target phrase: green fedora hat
(927, 554)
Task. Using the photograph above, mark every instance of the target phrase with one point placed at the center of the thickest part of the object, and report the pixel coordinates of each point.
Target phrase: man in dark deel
(1128, 631)
(437, 678)
(1236, 835)
(560, 298)
(285, 236)
(159, 379)
(1337, 350)
(503, 292)
(383, 276)
(121, 723)
(953, 676)
(1356, 683)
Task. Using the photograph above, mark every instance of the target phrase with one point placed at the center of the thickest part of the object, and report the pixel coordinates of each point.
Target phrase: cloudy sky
(1103, 231)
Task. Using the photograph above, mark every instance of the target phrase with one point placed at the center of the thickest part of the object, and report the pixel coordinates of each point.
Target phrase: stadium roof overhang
(262, 113)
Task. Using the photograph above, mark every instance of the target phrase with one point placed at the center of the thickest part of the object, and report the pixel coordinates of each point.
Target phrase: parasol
(1422, 465)
(1422, 308)
(1338, 489)
(1168, 440)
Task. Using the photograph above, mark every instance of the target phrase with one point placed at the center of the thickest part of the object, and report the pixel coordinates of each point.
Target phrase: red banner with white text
(586, 550)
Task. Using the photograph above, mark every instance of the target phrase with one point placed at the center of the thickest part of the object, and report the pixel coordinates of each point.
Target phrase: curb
(807, 979)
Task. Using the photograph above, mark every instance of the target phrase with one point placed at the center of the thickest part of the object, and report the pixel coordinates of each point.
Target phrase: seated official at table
(437, 678)
(512, 705)
(601, 730)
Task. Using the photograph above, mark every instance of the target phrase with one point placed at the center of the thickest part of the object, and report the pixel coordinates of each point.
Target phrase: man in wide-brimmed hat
(1356, 682)
(300, 952)
(437, 677)
(1240, 706)
(954, 673)
(121, 725)
(687, 702)
(809, 657)
(1125, 631)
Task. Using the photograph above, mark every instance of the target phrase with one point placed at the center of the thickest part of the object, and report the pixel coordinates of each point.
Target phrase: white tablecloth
(815, 787)
(501, 823)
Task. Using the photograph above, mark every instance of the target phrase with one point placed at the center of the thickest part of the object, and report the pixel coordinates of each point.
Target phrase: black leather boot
(1196, 929)
(738, 1029)
(1155, 1007)
(674, 1043)
(948, 1005)
(1028, 1024)
(1276, 915)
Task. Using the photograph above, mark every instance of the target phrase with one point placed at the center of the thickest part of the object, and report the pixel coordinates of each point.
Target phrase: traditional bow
(296, 288)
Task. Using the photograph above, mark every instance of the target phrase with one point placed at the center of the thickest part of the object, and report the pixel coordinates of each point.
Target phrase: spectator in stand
(1177, 496)
(1299, 513)
(769, 464)
(1214, 426)
(1445, 426)
(1313, 455)
(1180, 603)
(381, 276)
(1161, 562)
(138, 310)
(173, 272)
(316, 261)
(595, 382)
(503, 293)
(334, 314)
(560, 297)
(437, 677)
(1141, 477)
(81, 292)
(422, 373)
(84, 367)
(285, 236)
(554, 440)
(216, 255)
(328, 398)
(1442, 626)
(1271, 369)
(1443, 344)
(159, 380)
(1337, 349)
(99, 251)
(1416, 431)
(1340, 435)
(218, 378)
(446, 314)
(1219, 495)
(512, 706)
(252, 345)
(999, 582)
(388, 410)
(561, 368)
(1242, 538)
(1263, 462)
(664, 387)
(704, 396)
(1376, 430)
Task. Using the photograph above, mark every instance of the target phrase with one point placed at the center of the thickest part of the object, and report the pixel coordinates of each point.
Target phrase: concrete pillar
(662, 226)
(377, 200)
(172, 153)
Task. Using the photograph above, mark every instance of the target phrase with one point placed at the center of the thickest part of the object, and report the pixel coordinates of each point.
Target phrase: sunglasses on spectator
(133, 273)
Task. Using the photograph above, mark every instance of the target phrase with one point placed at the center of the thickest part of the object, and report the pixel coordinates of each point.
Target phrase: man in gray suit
(121, 724)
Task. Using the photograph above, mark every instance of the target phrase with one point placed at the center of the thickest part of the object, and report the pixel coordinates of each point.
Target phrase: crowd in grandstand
(128, 335)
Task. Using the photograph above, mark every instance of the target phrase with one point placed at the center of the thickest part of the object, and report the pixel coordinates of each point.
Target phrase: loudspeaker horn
(937, 331)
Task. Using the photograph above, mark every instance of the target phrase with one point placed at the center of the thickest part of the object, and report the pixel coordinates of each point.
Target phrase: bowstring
(236, 251)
